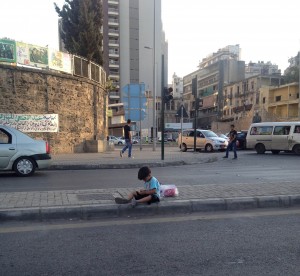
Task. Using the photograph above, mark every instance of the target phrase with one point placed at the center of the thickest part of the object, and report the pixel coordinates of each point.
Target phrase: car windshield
(223, 136)
(209, 133)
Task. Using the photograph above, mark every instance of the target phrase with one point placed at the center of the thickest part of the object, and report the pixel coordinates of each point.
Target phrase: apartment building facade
(133, 45)
(214, 72)
(280, 103)
(243, 98)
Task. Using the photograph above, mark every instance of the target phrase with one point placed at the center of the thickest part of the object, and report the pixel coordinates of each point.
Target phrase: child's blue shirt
(153, 184)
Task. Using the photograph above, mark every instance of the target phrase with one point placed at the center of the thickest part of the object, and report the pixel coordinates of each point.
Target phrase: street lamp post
(154, 97)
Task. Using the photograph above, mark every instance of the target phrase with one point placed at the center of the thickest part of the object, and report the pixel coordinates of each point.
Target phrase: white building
(177, 85)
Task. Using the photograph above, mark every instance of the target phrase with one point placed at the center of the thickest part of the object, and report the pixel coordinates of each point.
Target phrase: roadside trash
(169, 190)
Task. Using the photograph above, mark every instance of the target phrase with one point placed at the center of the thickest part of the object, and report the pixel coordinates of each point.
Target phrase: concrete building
(215, 71)
(261, 68)
(133, 45)
(280, 103)
(242, 100)
(142, 47)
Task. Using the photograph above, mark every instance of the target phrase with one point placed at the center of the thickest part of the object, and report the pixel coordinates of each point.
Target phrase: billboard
(31, 55)
(7, 50)
(60, 61)
(30, 122)
(135, 101)
(38, 56)
(23, 53)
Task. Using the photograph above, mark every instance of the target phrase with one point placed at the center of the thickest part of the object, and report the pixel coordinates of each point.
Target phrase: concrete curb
(113, 166)
(165, 207)
(129, 166)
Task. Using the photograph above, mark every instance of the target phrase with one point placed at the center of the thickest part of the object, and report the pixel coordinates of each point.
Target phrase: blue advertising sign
(134, 101)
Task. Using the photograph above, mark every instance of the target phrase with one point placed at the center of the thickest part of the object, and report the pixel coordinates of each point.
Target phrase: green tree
(291, 74)
(81, 28)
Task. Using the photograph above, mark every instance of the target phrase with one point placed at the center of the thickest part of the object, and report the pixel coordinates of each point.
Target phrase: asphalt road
(249, 168)
(247, 243)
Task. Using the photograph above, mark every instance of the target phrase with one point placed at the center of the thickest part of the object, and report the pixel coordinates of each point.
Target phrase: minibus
(274, 137)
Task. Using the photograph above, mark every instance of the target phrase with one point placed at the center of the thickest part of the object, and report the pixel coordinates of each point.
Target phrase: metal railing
(82, 67)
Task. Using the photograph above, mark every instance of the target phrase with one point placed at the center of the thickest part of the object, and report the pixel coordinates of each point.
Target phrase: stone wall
(79, 102)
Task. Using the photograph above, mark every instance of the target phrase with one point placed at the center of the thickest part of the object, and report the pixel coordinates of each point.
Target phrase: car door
(189, 139)
(280, 139)
(8, 147)
(294, 137)
(201, 140)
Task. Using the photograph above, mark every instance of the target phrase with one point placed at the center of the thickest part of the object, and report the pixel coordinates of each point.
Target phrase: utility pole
(166, 96)
(194, 92)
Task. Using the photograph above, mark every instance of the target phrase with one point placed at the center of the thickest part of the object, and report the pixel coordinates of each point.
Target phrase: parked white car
(116, 140)
(21, 153)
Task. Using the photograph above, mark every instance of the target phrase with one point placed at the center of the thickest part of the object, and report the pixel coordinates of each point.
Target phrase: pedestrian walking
(128, 140)
(150, 193)
(232, 142)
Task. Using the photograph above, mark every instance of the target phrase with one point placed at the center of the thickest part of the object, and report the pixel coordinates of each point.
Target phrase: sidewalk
(112, 159)
(99, 203)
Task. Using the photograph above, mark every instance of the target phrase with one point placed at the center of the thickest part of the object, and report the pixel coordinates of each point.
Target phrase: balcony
(239, 109)
(113, 33)
(113, 22)
(113, 2)
(114, 64)
(113, 43)
(114, 75)
(114, 95)
(113, 54)
(113, 11)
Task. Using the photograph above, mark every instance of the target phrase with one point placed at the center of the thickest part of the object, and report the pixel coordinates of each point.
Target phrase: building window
(278, 98)
(157, 106)
(264, 100)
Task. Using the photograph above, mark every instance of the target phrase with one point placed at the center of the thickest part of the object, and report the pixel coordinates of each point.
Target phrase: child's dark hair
(143, 172)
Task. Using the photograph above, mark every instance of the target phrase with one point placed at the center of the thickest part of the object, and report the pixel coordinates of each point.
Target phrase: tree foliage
(81, 28)
(291, 74)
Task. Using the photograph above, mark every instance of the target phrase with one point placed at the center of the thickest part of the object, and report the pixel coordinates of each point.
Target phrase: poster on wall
(60, 61)
(38, 56)
(23, 53)
(30, 122)
(7, 51)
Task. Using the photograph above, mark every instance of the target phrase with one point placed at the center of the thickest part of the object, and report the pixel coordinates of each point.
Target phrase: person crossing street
(128, 140)
(232, 142)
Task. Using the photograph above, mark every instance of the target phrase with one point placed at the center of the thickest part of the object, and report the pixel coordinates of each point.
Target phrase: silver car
(21, 153)
(205, 139)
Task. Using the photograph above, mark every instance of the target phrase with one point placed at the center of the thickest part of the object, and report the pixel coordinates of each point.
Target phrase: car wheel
(260, 148)
(296, 149)
(209, 148)
(183, 147)
(275, 151)
(24, 166)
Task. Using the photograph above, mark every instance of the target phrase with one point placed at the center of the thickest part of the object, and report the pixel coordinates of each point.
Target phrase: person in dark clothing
(128, 141)
(232, 142)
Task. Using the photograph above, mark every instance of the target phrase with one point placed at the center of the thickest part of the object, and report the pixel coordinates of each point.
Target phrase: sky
(265, 30)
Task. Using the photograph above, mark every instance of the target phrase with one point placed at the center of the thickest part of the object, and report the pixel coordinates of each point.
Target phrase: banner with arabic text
(30, 122)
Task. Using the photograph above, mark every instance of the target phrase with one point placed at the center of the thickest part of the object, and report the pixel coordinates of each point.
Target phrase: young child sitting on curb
(150, 193)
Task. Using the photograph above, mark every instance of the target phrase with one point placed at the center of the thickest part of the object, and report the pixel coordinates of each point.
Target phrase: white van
(274, 136)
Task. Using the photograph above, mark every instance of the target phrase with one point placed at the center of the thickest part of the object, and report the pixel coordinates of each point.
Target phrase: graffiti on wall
(30, 122)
